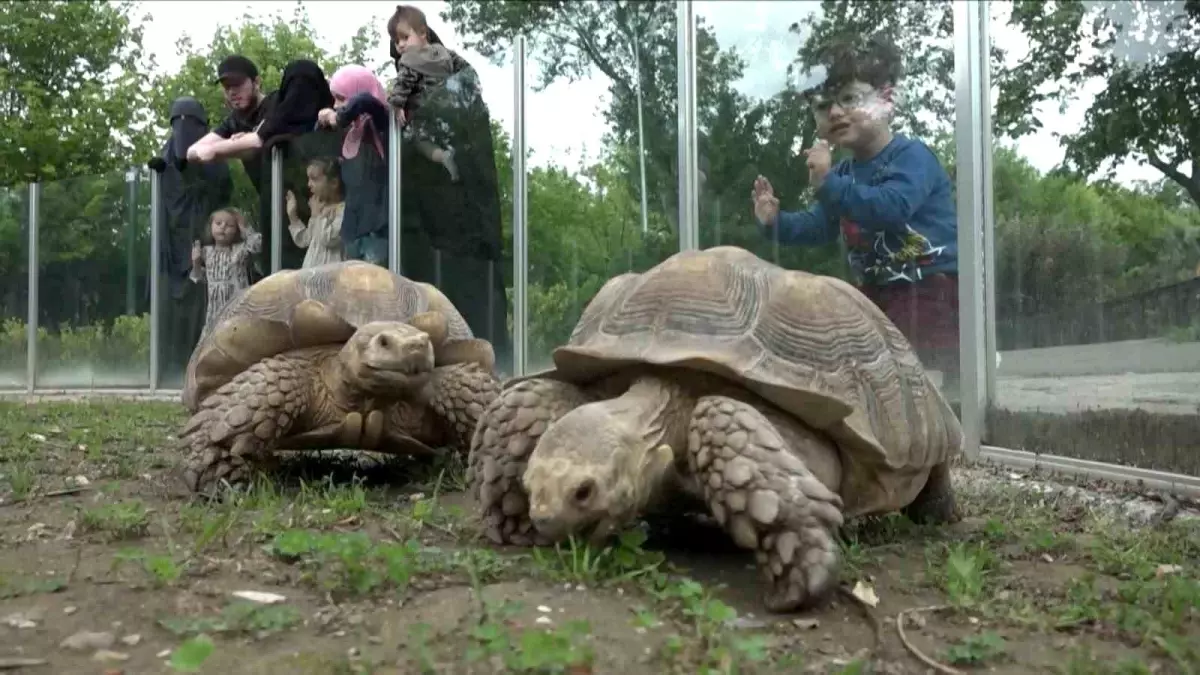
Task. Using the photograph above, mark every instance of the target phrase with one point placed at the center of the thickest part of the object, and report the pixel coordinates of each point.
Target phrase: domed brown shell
(813, 345)
(293, 309)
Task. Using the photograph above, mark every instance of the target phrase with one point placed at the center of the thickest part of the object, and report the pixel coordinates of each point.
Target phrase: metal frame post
(520, 214)
(156, 280)
(992, 347)
(969, 62)
(689, 179)
(31, 319)
(395, 196)
(131, 183)
(276, 208)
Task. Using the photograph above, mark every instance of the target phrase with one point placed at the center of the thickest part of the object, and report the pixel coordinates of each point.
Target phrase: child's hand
(290, 204)
(197, 253)
(819, 161)
(400, 117)
(766, 206)
(327, 118)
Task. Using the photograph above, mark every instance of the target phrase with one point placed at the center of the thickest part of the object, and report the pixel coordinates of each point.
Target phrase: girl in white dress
(322, 235)
(225, 263)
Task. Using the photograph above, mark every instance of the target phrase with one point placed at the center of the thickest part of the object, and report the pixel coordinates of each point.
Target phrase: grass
(379, 568)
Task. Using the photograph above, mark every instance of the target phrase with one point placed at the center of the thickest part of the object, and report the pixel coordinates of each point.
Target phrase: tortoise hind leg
(767, 498)
(238, 425)
(935, 504)
(506, 434)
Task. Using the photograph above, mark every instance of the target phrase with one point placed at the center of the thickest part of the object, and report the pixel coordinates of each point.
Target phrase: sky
(564, 122)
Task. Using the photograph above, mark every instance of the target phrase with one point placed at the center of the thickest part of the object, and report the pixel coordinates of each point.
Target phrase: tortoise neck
(342, 388)
(660, 408)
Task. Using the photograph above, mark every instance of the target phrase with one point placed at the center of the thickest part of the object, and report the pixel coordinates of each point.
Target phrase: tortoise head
(387, 357)
(593, 471)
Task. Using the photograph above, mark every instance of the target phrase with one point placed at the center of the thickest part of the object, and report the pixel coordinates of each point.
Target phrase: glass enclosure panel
(884, 219)
(1097, 235)
(190, 197)
(93, 282)
(14, 284)
(602, 164)
(456, 191)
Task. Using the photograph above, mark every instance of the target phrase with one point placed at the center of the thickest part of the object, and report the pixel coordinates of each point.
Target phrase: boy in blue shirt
(892, 203)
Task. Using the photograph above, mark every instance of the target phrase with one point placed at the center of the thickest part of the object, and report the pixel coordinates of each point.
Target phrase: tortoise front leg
(239, 424)
(935, 504)
(764, 495)
(500, 447)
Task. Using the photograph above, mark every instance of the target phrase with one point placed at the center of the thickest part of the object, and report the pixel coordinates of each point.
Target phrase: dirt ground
(376, 567)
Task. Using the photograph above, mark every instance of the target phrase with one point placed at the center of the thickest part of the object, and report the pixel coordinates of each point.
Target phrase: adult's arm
(888, 205)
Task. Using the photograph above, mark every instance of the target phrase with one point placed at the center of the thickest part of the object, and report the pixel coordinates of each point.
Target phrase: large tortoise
(784, 401)
(344, 355)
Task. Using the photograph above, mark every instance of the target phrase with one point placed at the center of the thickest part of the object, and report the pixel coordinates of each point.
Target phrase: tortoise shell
(813, 345)
(293, 309)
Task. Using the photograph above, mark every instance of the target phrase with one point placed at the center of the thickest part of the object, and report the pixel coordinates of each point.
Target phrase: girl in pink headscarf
(361, 109)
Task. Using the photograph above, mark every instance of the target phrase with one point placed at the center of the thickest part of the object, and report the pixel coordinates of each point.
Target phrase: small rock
(374, 639)
(132, 640)
(163, 654)
(543, 620)
(352, 652)
(259, 597)
(19, 621)
(745, 623)
(581, 587)
(973, 620)
(543, 608)
(340, 633)
(106, 655)
(70, 609)
(81, 480)
(1163, 570)
(1046, 557)
(88, 640)
(806, 624)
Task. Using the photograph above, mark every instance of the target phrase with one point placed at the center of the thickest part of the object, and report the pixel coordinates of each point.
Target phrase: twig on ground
(913, 649)
(53, 493)
(866, 610)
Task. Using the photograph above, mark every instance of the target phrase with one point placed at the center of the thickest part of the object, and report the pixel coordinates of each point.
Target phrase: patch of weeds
(208, 524)
(16, 588)
(579, 562)
(709, 647)
(22, 479)
(326, 503)
(121, 520)
(974, 650)
(191, 654)
(162, 570)
(353, 564)
(240, 616)
(531, 650)
(962, 571)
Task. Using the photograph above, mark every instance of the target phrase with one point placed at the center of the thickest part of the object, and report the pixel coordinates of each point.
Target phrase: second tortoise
(783, 402)
(344, 355)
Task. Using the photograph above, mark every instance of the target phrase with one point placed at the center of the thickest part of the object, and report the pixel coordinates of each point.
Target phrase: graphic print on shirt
(880, 258)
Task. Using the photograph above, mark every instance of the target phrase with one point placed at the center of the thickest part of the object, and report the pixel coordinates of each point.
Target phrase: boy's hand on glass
(766, 205)
(327, 117)
(819, 161)
(197, 253)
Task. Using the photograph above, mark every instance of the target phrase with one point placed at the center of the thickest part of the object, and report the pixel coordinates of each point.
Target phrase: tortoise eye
(584, 491)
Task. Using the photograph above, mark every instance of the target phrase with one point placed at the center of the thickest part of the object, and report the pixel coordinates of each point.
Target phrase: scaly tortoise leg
(239, 424)
(768, 500)
(500, 447)
(460, 394)
(935, 504)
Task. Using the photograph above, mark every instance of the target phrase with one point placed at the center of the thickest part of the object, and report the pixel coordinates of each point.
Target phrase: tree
(1145, 53)
(74, 89)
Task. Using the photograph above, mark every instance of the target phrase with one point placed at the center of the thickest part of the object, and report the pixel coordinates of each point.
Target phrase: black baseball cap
(236, 66)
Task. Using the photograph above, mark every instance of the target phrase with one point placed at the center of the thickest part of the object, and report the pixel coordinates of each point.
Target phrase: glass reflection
(1097, 231)
(14, 285)
(825, 145)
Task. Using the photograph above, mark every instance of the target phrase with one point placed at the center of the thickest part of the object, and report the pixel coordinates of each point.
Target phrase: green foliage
(71, 73)
(120, 346)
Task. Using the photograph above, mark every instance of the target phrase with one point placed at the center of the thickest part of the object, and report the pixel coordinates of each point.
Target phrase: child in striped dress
(225, 263)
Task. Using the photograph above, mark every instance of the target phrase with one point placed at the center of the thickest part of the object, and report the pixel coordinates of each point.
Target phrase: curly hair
(874, 60)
